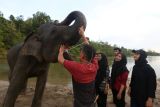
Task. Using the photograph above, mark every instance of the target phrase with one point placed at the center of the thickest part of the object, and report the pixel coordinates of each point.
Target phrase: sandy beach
(59, 96)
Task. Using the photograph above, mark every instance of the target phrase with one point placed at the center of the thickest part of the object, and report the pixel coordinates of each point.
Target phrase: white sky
(129, 23)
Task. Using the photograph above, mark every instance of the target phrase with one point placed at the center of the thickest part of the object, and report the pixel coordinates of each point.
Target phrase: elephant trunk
(80, 20)
(53, 35)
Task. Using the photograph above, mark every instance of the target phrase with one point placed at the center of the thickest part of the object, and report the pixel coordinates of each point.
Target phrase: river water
(58, 75)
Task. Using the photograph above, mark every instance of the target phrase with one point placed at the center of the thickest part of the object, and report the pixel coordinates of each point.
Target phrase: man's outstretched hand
(60, 55)
(81, 32)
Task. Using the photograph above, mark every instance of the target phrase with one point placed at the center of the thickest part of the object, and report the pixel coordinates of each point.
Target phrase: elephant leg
(10, 73)
(40, 85)
(10, 76)
(23, 91)
(18, 79)
(25, 84)
(15, 87)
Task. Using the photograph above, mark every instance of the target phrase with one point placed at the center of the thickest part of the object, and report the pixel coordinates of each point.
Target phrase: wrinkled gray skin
(32, 58)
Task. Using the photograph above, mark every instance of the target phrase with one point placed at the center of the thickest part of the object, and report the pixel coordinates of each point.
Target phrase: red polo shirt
(82, 72)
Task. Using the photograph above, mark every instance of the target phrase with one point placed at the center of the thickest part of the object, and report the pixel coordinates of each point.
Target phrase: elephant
(33, 57)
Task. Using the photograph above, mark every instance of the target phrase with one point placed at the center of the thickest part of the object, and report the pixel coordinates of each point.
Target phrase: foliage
(8, 34)
(153, 53)
(15, 29)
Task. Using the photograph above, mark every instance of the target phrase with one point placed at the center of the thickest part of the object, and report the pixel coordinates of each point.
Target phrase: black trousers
(102, 100)
(135, 103)
(121, 102)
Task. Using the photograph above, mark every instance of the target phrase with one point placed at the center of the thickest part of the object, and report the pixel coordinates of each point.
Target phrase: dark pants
(134, 103)
(84, 94)
(114, 98)
(121, 102)
(102, 100)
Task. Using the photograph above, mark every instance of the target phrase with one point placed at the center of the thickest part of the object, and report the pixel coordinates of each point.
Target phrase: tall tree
(40, 18)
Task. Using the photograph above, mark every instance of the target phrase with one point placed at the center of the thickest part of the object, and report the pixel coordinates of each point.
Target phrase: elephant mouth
(67, 46)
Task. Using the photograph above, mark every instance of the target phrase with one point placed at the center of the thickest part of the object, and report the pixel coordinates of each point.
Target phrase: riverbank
(58, 96)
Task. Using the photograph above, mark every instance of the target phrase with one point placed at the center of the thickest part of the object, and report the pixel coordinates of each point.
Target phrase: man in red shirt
(83, 73)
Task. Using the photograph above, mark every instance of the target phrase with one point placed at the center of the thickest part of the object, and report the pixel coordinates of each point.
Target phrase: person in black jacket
(102, 79)
(143, 81)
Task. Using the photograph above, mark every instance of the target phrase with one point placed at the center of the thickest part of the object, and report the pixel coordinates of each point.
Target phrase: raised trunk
(80, 20)
(55, 35)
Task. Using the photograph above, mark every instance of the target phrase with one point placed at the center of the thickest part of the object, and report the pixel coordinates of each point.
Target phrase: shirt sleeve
(80, 70)
(152, 84)
(75, 68)
(95, 62)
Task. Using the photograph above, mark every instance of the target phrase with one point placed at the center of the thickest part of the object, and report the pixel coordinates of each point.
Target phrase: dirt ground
(58, 96)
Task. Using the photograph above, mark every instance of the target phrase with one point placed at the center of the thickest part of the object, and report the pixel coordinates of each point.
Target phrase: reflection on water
(58, 75)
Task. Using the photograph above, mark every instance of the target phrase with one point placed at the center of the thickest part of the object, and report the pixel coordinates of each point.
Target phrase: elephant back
(32, 47)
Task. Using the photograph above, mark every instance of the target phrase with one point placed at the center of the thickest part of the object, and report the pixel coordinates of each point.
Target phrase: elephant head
(45, 43)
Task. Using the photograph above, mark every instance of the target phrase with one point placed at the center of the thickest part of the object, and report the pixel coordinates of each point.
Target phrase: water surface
(59, 75)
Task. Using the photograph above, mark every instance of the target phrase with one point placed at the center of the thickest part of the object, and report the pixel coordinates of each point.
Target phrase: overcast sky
(130, 23)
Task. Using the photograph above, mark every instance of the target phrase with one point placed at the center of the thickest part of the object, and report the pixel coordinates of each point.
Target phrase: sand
(58, 96)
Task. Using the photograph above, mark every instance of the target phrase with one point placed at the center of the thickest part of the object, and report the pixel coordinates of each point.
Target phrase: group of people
(91, 77)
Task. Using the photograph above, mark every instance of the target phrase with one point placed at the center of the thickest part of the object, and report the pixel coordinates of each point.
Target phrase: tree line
(15, 29)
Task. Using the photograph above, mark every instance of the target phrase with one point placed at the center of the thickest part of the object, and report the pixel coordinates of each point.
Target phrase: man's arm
(71, 66)
(60, 55)
(81, 32)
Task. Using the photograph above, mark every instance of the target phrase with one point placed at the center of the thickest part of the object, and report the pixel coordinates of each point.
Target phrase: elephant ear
(32, 47)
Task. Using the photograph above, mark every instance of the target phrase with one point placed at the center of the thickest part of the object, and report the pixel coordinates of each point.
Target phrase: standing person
(119, 78)
(83, 74)
(101, 82)
(116, 52)
(143, 81)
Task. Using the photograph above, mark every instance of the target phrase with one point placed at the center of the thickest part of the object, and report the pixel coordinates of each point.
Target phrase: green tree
(1, 14)
(8, 34)
(40, 18)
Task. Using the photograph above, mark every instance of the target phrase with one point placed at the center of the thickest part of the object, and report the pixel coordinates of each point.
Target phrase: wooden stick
(96, 98)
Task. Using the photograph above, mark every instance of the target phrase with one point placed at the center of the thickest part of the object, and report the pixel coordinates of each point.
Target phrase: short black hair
(134, 51)
(116, 48)
(89, 51)
(141, 52)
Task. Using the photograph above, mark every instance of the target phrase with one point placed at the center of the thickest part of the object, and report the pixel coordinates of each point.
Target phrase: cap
(141, 52)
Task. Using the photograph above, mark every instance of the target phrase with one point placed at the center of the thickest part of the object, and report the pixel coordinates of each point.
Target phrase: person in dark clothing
(143, 81)
(119, 76)
(101, 82)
